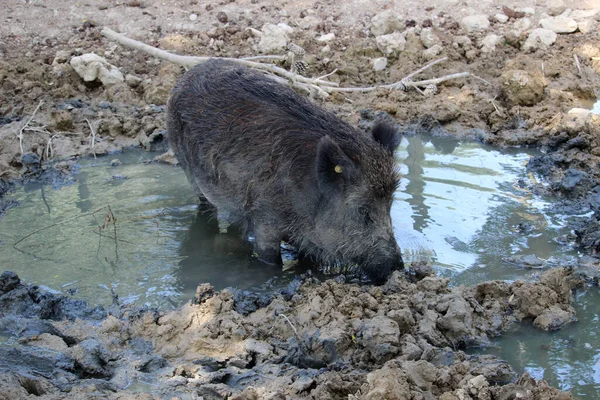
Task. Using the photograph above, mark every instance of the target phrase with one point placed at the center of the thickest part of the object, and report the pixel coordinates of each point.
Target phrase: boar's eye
(365, 215)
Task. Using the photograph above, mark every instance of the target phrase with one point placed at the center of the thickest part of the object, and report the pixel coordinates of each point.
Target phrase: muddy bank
(320, 340)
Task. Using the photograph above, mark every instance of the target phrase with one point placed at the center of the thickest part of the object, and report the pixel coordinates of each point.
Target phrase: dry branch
(20, 134)
(317, 86)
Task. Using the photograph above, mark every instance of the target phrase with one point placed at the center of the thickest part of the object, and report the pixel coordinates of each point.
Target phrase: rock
(429, 38)
(175, 42)
(488, 44)
(132, 80)
(193, 17)
(61, 57)
(222, 17)
(526, 261)
(380, 335)
(386, 22)
(475, 23)
(91, 67)
(391, 45)
(554, 318)
(273, 39)
(523, 87)
(522, 25)
(167, 158)
(555, 7)
(588, 25)
(288, 29)
(432, 52)
(501, 18)
(387, 383)
(379, 64)
(157, 91)
(62, 120)
(559, 24)
(8, 281)
(539, 38)
(326, 38)
(115, 163)
(302, 383)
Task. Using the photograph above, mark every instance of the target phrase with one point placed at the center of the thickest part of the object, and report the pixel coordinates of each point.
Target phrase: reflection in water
(416, 185)
(458, 206)
(223, 259)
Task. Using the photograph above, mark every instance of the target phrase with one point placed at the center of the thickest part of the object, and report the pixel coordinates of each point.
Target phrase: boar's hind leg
(267, 244)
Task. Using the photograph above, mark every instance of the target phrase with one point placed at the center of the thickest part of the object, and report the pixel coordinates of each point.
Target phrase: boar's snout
(384, 262)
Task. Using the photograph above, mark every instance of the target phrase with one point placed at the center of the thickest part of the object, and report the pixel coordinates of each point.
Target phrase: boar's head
(357, 182)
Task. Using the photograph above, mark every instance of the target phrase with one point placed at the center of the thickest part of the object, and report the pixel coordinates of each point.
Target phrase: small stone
(115, 163)
(386, 22)
(488, 44)
(429, 38)
(523, 87)
(556, 7)
(326, 38)
(222, 17)
(522, 25)
(392, 44)
(61, 57)
(273, 39)
(526, 10)
(132, 80)
(379, 64)
(193, 17)
(91, 67)
(539, 38)
(554, 318)
(501, 18)
(288, 29)
(432, 52)
(588, 25)
(559, 24)
(475, 23)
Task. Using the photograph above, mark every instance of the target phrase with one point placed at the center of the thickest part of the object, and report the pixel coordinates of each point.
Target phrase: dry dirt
(398, 341)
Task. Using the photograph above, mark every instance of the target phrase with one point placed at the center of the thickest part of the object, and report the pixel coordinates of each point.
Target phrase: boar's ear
(386, 135)
(334, 168)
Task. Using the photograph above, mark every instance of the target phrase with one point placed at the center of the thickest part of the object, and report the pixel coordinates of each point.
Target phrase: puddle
(568, 358)
(461, 205)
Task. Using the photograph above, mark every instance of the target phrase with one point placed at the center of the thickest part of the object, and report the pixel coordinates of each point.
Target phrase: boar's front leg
(267, 243)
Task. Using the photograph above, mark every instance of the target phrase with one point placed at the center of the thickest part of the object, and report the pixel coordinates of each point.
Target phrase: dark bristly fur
(285, 168)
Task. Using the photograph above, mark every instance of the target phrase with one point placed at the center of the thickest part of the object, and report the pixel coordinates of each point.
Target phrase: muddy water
(461, 206)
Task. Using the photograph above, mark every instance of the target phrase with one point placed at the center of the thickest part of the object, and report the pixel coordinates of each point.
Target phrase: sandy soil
(396, 341)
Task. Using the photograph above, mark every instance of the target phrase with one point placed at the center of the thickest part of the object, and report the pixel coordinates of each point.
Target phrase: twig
(56, 224)
(20, 134)
(577, 63)
(49, 151)
(300, 342)
(93, 137)
(327, 75)
(311, 85)
(189, 61)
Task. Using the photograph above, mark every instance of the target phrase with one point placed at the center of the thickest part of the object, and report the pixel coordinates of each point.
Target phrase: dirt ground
(400, 341)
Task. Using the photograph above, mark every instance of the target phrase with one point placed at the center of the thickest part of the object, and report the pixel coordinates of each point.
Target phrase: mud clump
(322, 341)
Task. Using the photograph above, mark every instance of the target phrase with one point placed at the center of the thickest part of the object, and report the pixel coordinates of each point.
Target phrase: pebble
(379, 64)
(392, 44)
(386, 22)
(326, 38)
(488, 44)
(539, 38)
(115, 163)
(429, 38)
(475, 23)
(556, 7)
(501, 18)
(222, 17)
(559, 24)
(193, 17)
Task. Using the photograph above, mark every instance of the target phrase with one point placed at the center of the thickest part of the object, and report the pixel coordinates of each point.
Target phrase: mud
(319, 340)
